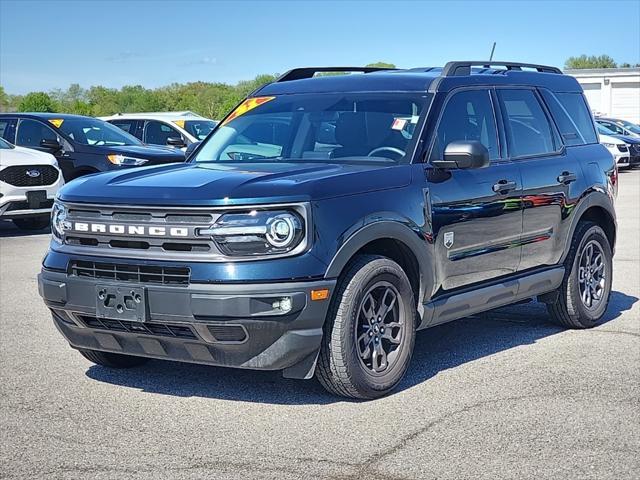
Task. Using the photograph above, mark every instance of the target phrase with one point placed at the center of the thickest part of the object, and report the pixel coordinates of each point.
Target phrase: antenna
(493, 49)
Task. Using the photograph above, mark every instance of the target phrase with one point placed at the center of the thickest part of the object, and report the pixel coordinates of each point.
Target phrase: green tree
(4, 100)
(590, 61)
(37, 102)
(380, 65)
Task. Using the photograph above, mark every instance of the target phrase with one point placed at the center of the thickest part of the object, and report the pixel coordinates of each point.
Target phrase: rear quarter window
(571, 115)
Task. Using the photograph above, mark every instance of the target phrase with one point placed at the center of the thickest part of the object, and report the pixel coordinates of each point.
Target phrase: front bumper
(14, 202)
(213, 324)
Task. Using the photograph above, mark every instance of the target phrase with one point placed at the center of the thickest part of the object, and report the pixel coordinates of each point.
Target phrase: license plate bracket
(35, 198)
(121, 303)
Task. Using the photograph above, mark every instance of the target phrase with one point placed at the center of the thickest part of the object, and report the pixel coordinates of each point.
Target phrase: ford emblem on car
(33, 173)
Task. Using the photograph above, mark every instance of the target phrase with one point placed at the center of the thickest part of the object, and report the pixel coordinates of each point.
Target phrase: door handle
(504, 186)
(566, 177)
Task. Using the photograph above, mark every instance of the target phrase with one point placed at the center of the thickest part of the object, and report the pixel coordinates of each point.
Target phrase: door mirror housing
(463, 154)
(177, 142)
(191, 148)
(50, 144)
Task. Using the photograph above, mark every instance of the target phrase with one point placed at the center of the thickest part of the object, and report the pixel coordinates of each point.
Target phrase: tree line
(211, 100)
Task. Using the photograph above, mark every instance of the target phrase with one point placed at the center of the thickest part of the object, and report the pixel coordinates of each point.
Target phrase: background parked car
(82, 145)
(176, 129)
(632, 144)
(29, 181)
(620, 127)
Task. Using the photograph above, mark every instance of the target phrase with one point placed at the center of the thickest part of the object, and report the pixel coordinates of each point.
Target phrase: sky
(51, 44)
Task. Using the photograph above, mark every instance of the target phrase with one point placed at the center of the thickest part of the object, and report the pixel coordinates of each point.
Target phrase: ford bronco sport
(328, 218)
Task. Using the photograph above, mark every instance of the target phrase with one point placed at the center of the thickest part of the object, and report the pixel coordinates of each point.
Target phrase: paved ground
(505, 395)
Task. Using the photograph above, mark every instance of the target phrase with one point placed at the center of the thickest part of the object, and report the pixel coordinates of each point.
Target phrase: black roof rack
(308, 72)
(456, 69)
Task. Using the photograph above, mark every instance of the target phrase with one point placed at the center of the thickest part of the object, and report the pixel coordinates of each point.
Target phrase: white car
(176, 129)
(29, 181)
(617, 148)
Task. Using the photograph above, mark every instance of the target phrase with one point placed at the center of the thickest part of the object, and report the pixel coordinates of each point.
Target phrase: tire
(113, 360)
(340, 368)
(570, 309)
(32, 223)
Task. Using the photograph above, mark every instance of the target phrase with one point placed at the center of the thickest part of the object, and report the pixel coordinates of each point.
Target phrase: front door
(476, 214)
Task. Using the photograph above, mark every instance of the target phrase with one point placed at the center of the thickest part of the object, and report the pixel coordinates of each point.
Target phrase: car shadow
(8, 229)
(437, 349)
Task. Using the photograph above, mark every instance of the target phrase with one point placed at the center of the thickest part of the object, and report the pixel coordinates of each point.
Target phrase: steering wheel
(395, 150)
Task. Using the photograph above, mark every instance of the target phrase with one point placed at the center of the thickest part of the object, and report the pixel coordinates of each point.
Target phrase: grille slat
(131, 273)
(148, 328)
(17, 176)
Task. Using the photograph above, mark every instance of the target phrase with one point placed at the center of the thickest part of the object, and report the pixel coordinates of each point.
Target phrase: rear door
(476, 214)
(550, 175)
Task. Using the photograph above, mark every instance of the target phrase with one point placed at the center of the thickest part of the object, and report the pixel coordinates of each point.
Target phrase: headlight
(255, 233)
(125, 160)
(59, 221)
(609, 145)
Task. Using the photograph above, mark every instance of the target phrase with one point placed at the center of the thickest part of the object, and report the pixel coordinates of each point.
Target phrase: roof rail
(456, 69)
(308, 72)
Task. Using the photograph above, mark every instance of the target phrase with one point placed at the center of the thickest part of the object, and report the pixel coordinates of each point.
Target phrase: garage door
(625, 101)
(593, 93)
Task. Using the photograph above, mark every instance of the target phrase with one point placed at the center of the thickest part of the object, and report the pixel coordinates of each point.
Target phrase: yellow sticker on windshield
(244, 107)
(180, 123)
(56, 122)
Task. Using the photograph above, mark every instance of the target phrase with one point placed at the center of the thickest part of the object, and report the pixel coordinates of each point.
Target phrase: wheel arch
(396, 241)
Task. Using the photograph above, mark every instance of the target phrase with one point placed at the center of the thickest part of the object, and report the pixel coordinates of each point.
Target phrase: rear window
(572, 117)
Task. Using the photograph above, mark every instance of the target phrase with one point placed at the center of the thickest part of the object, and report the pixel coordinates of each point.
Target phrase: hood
(626, 138)
(25, 156)
(194, 184)
(159, 154)
(610, 139)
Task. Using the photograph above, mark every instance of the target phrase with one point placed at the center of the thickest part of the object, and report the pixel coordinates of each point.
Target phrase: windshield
(4, 145)
(336, 127)
(630, 126)
(199, 128)
(602, 130)
(91, 131)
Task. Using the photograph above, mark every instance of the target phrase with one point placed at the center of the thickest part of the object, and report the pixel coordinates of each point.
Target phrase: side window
(157, 133)
(527, 127)
(8, 129)
(612, 126)
(577, 109)
(32, 132)
(128, 126)
(467, 115)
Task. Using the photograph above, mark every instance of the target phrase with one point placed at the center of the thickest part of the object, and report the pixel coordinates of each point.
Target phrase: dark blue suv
(328, 218)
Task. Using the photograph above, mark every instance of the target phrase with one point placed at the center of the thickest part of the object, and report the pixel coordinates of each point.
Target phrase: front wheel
(370, 330)
(584, 294)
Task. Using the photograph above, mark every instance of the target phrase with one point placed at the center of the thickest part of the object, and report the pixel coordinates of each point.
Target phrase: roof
(578, 72)
(422, 79)
(182, 115)
(45, 115)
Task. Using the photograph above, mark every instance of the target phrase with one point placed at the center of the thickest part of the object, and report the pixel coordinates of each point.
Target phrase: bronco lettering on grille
(134, 230)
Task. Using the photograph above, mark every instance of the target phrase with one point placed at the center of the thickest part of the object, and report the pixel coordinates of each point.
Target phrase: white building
(612, 92)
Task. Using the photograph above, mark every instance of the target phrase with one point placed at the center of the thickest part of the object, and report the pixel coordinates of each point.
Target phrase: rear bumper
(222, 325)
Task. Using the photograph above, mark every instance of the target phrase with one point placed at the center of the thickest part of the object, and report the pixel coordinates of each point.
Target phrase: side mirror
(463, 154)
(50, 144)
(177, 142)
(191, 148)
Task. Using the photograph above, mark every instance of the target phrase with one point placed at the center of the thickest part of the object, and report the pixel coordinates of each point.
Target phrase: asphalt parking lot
(505, 394)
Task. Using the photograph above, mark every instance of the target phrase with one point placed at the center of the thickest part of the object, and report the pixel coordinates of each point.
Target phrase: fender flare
(394, 230)
(592, 199)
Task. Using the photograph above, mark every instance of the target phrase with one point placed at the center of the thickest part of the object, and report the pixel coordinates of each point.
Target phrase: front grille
(148, 328)
(25, 205)
(29, 175)
(131, 273)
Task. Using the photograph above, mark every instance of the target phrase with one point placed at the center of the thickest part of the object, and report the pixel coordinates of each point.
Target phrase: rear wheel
(113, 360)
(370, 330)
(584, 294)
(32, 223)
